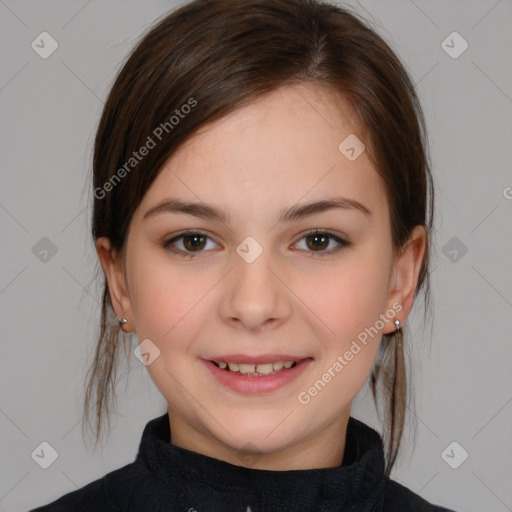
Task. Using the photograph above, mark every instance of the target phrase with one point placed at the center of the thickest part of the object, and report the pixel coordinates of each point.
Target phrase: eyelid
(167, 244)
(339, 238)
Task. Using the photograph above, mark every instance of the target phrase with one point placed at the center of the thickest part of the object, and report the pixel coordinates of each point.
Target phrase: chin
(262, 436)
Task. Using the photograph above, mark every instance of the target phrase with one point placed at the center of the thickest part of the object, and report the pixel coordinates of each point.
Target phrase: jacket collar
(201, 479)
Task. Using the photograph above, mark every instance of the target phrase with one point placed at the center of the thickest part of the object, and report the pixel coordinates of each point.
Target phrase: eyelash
(192, 254)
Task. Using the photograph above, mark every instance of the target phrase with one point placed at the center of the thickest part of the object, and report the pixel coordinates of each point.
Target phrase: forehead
(279, 149)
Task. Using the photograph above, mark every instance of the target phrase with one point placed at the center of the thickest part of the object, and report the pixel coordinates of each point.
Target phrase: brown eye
(194, 242)
(318, 241)
(188, 244)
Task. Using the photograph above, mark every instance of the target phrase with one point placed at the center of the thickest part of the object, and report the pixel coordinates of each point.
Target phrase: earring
(122, 321)
(398, 333)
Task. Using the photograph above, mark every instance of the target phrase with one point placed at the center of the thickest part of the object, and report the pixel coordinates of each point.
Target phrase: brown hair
(219, 55)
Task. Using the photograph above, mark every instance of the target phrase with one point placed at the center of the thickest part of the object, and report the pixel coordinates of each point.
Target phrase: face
(265, 281)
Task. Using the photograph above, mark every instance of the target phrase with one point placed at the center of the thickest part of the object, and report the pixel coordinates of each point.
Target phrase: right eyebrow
(202, 210)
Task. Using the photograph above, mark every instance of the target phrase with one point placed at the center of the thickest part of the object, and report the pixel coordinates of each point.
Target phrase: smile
(263, 376)
(256, 370)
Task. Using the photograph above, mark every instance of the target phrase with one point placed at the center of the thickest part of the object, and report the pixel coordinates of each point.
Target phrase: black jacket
(165, 477)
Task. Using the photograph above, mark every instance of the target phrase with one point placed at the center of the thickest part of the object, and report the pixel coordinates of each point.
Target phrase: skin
(272, 154)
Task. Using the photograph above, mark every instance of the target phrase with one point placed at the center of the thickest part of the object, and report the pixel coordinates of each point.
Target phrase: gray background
(49, 109)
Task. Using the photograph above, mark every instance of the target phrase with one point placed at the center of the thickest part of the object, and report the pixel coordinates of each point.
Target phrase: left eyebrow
(303, 210)
(293, 213)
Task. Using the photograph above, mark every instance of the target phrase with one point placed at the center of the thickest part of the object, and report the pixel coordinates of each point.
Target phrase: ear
(111, 263)
(404, 276)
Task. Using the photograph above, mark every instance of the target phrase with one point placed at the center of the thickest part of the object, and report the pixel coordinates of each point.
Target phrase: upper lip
(260, 359)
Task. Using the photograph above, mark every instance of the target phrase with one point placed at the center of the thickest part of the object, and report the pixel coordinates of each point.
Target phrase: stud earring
(398, 333)
(122, 321)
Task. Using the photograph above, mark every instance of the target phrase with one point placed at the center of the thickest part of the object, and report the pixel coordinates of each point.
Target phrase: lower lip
(251, 385)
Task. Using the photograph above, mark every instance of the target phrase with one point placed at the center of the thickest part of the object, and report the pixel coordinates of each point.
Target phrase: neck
(319, 449)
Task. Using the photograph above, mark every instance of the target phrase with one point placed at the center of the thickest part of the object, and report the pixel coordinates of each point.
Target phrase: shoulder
(401, 499)
(106, 494)
(89, 497)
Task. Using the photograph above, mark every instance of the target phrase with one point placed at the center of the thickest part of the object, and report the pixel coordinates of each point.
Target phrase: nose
(255, 296)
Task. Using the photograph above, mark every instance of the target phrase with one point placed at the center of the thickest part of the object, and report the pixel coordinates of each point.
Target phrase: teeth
(255, 369)
(265, 368)
(245, 368)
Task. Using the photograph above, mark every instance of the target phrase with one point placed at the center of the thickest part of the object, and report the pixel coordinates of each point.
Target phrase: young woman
(262, 214)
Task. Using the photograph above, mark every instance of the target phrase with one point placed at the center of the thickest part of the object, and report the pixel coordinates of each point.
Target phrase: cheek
(348, 297)
(347, 303)
(170, 307)
(167, 301)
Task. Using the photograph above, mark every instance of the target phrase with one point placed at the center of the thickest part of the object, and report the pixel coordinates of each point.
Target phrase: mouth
(256, 375)
(255, 370)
